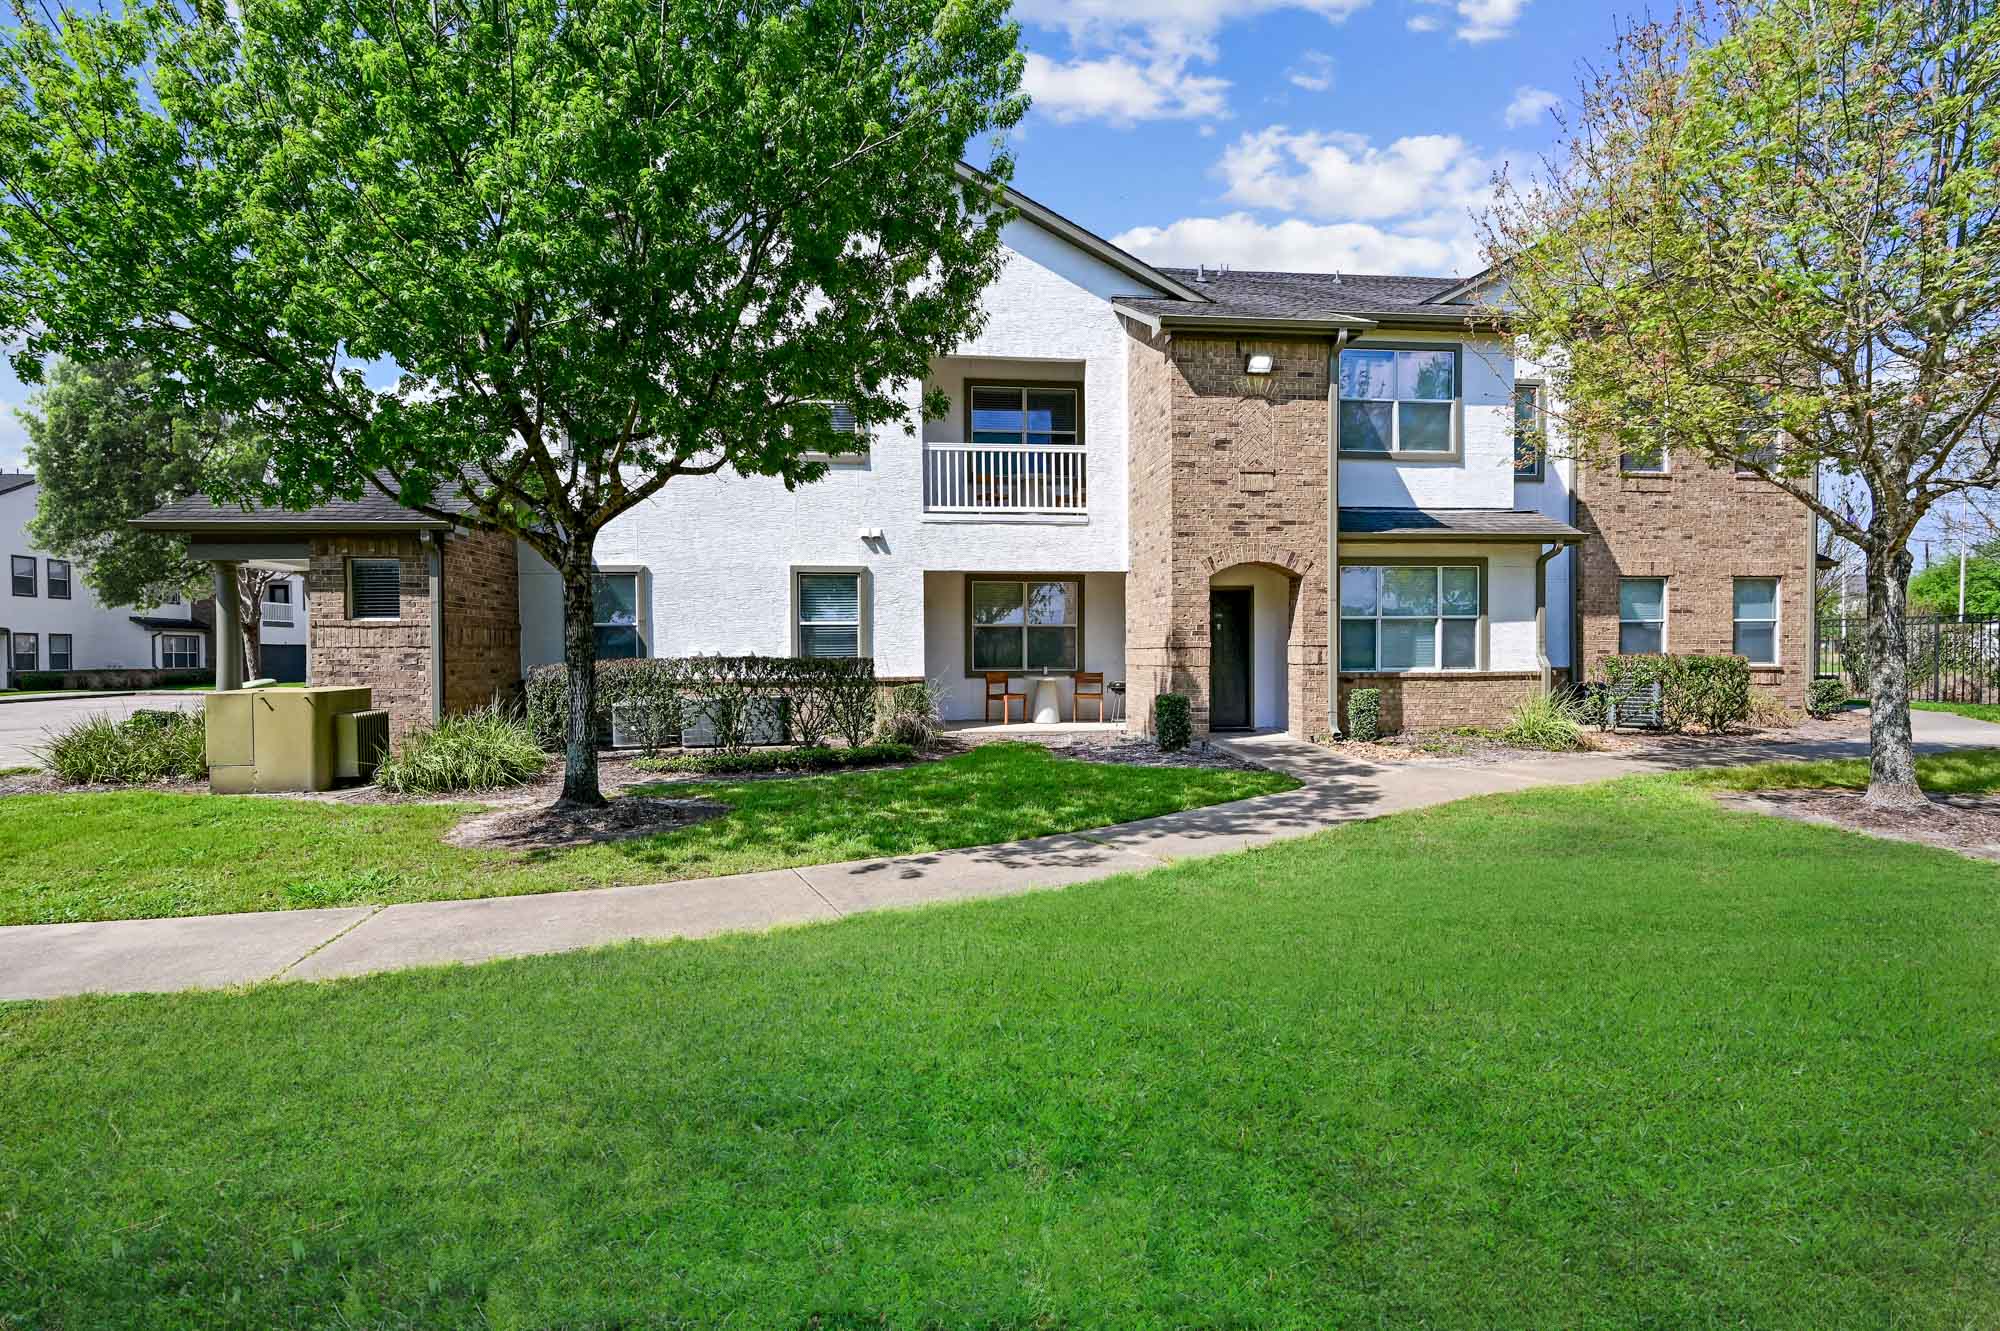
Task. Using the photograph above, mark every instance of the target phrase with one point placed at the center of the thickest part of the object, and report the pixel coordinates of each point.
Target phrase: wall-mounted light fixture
(1260, 363)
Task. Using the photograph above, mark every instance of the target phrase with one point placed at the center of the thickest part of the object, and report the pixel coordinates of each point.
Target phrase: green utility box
(262, 740)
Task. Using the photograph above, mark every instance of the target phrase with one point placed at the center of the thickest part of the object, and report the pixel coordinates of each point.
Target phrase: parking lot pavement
(26, 724)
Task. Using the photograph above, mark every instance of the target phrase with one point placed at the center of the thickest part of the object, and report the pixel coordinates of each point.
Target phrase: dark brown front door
(1229, 658)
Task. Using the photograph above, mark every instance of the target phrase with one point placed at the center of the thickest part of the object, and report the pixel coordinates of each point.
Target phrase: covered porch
(1048, 635)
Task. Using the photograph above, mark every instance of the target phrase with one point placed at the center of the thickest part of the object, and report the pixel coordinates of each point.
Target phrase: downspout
(1542, 616)
(1333, 534)
(435, 559)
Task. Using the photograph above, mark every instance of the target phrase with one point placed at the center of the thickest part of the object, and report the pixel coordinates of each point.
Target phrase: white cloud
(1314, 72)
(1478, 20)
(1529, 106)
(1345, 177)
(1133, 60)
(1423, 23)
(1122, 91)
(1292, 245)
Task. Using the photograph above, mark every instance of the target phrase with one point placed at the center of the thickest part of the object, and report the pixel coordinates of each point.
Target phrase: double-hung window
(1642, 616)
(1409, 617)
(1529, 432)
(27, 651)
(23, 569)
(614, 598)
(1399, 401)
(59, 653)
(1026, 624)
(1757, 620)
(59, 579)
(829, 614)
(180, 651)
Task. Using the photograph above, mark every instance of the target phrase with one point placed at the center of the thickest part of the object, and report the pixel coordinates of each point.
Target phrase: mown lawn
(1963, 772)
(143, 854)
(1587, 1057)
(1976, 711)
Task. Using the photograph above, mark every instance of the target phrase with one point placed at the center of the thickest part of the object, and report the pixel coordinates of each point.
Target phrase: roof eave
(1568, 536)
(1160, 320)
(255, 526)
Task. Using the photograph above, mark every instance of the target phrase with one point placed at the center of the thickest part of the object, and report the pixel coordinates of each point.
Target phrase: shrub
(1710, 691)
(146, 746)
(1590, 709)
(1768, 711)
(1364, 715)
(819, 759)
(660, 696)
(1545, 720)
(1173, 721)
(467, 751)
(1825, 697)
(911, 716)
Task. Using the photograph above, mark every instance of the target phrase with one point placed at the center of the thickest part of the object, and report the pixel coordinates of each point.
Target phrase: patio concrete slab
(956, 875)
(432, 933)
(156, 956)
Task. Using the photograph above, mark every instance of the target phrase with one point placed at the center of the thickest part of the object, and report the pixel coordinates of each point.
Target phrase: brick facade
(481, 626)
(1699, 527)
(1227, 469)
(1443, 702)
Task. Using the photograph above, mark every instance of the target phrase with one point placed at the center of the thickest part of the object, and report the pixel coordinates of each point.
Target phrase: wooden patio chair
(1089, 688)
(997, 691)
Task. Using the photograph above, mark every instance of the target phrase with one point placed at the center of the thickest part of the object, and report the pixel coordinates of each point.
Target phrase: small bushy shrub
(479, 750)
(1710, 691)
(1825, 697)
(910, 716)
(1768, 711)
(1590, 706)
(1173, 721)
(820, 759)
(146, 746)
(659, 696)
(1546, 721)
(1364, 715)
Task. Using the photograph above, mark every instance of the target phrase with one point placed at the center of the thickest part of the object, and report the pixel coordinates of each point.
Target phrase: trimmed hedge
(1364, 715)
(667, 694)
(820, 759)
(1710, 691)
(1173, 721)
(1825, 697)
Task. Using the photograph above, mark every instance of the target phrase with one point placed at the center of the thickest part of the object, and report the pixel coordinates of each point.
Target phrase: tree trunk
(250, 597)
(1892, 759)
(580, 659)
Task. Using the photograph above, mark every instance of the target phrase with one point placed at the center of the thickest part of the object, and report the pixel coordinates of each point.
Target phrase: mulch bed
(1969, 824)
(551, 828)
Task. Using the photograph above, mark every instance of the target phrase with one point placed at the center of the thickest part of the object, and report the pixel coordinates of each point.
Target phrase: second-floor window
(1401, 400)
(23, 569)
(1028, 415)
(278, 603)
(59, 579)
(1529, 432)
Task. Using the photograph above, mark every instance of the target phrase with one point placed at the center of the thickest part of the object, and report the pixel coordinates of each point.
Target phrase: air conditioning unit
(1634, 705)
(360, 742)
(636, 725)
(765, 724)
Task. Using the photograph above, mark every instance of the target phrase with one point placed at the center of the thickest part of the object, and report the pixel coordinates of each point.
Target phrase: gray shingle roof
(371, 510)
(1455, 524)
(1239, 296)
(11, 481)
(162, 624)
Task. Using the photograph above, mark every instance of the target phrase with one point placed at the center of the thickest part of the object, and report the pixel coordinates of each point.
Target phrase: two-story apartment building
(1259, 489)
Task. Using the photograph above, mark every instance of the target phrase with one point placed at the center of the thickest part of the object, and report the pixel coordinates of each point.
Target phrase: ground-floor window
(1409, 617)
(615, 601)
(829, 614)
(180, 651)
(1757, 620)
(1642, 616)
(59, 651)
(1026, 624)
(27, 651)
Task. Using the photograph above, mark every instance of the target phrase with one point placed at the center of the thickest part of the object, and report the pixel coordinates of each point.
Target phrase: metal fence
(1951, 660)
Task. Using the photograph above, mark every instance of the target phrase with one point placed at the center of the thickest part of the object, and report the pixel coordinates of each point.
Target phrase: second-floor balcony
(1006, 478)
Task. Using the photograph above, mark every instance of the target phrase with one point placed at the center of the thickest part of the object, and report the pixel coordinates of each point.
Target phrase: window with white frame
(180, 651)
(59, 653)
(23, 569)
(1026, 624)
(1529, 433)
(1409, 617)
(1006, 414)
(614, 599)
(27, 651)
(1642, 616)
(1757, 620)
(829, 614)
(278, 603)
(59, 583)
(1399, 400)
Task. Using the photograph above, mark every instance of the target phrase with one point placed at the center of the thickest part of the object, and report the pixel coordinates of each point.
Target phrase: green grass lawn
(141, 854)
(1964, 772)
(1583, 1057)
(1976, 711)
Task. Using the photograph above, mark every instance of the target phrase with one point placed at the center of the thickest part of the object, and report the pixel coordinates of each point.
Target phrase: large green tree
(1767, 242)
(548, 254)
(108, 443)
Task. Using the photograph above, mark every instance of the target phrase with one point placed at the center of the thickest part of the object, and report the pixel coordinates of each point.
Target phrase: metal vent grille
(374, 589)
(765, 723)
(1635, 705)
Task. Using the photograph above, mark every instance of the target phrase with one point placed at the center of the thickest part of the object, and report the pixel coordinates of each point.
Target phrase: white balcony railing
(1005, 478)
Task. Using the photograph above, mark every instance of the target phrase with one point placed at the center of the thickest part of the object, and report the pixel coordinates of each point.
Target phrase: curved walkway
(124, 956)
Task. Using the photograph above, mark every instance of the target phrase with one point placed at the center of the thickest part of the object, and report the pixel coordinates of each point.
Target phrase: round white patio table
(1048, 701)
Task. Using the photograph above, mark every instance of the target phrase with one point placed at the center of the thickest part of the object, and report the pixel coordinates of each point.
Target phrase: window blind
(375, 589)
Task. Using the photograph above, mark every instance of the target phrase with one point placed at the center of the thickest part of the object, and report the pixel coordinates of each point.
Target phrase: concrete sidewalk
(46, 961)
